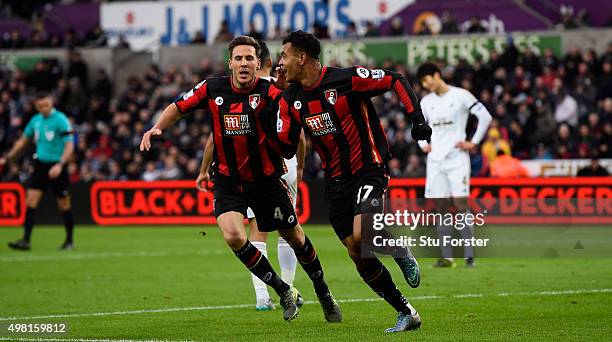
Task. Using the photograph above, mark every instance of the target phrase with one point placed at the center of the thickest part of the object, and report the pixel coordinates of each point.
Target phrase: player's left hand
(465, 145)
(202, 181)
(55, 171)
(420, 131)
(281, 81)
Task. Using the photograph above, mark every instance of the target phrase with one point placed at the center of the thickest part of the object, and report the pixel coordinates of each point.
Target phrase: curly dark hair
(304, 42)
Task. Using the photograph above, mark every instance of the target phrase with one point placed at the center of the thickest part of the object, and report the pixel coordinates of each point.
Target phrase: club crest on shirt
(320, 124)
(219, 101)
(236, 124)
(331, 96)
(297, 105)
(363, 72)
(378, 74)
(254, 100)
(49, 135)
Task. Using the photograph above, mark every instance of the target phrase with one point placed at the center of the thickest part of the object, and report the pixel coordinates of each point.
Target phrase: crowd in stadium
(543, 107)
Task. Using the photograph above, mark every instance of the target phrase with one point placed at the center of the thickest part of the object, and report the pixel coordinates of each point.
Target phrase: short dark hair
(244, 40)
(41, 94)
(427, 69)
(305, 42)
(264, 54)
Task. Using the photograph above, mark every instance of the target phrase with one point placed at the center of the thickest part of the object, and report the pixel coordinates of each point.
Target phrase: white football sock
(287, 261)
(261, 289)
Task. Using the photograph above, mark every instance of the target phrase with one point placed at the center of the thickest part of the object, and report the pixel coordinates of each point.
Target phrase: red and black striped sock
(259, 265)
(309, 260)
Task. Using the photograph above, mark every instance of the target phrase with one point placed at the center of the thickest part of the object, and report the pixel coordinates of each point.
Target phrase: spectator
(151, 173)
(254, 33)
(564, 144)
(394, 168)
(224, 34)
(96, 37)
(449, 24)
(320, 30)
(71, 39)
(593, 170)
(567, 110)
(475, 26)
(505, 166)
(494, 143)
(278, 33)
(415, 167)
(351, 31)
(371, 30)
(122, 43)
(397, 26)
(509, 57)
(13, 40)
(103, 87)
(198, 38)
(584, 18)
(170, 170)
(77, 68)
(567, 18)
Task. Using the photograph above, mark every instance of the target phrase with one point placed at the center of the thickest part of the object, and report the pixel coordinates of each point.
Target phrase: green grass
(138, 268)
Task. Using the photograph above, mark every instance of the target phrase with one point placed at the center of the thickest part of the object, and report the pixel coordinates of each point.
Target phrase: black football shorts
(346, 197)
(40, 180)
(270, 201)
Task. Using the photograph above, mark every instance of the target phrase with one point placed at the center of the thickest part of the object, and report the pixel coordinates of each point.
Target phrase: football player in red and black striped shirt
(247, 171)
(333, 106)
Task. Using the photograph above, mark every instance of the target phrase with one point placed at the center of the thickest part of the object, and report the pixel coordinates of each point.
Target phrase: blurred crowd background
(544, 107)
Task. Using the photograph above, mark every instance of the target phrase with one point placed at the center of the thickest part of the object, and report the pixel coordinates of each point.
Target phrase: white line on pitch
(102, 255)
(80, 340)
(348, 300)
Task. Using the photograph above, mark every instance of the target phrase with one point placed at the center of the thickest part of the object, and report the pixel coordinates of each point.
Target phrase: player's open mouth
(244, 73)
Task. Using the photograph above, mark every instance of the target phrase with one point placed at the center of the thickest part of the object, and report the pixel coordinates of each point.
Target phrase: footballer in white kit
(447, 109)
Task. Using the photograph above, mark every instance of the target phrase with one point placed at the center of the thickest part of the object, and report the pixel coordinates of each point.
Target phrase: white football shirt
(447, 114)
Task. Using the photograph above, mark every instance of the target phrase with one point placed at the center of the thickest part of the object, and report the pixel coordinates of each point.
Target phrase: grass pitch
(172, 283)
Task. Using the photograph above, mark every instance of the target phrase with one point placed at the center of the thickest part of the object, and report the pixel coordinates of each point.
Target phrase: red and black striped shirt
(241, 126)
(338, 115)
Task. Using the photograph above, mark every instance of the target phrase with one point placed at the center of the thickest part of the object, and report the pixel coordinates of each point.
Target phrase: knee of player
(234, 239)
(294, 237)
(63, 204)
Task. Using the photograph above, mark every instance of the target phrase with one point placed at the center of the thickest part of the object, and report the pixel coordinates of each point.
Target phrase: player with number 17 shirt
(333, 107)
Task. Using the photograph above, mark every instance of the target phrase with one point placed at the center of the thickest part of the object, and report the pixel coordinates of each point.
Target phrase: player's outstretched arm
(378, 81)
(204, 177)
(195, 98)
(168, 117)
(19, 146)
